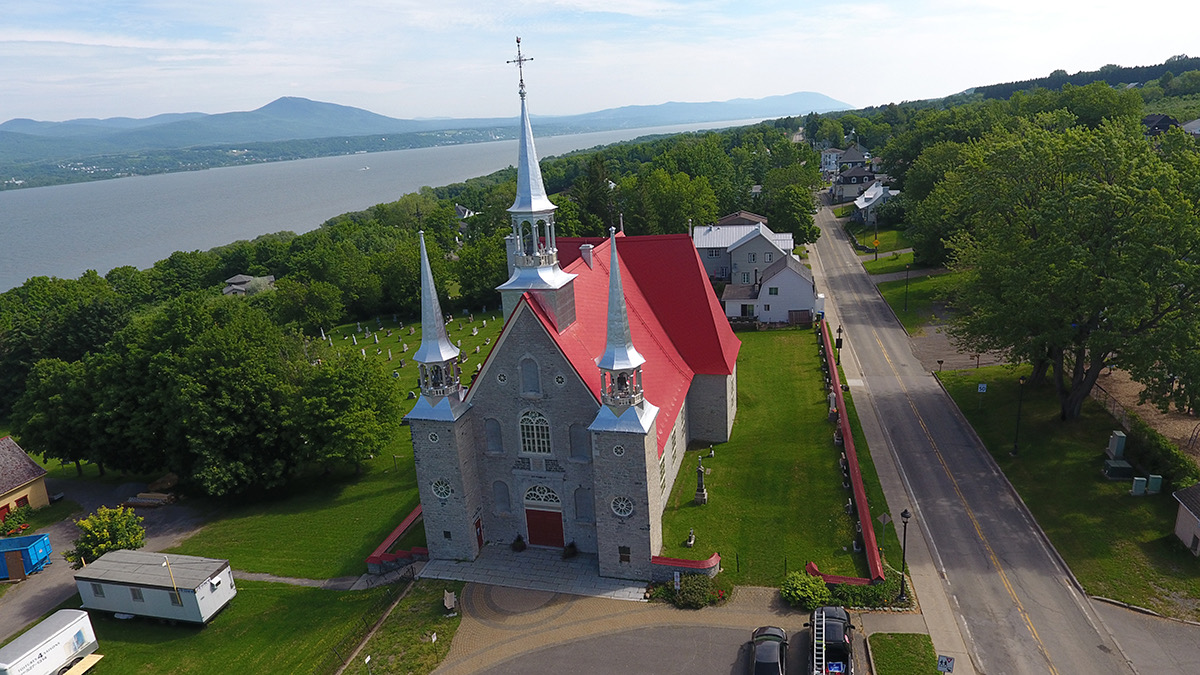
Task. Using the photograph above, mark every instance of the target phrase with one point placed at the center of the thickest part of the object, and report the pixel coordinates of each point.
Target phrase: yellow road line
(966, 507)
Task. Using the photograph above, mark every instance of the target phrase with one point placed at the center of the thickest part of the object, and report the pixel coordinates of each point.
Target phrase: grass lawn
(925, 300)
(775, 490)
(886, 265)
(903, 654)
(267, 628)
(49, 515)
(843, 211)
(1118, 546)
(324, 526)
(402, 644)
(889, 240)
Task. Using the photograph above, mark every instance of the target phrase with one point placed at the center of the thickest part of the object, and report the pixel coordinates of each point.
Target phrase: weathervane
(520, 61)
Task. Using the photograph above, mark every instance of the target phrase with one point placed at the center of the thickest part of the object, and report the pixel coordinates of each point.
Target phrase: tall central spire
(532, 247)
(531, 193)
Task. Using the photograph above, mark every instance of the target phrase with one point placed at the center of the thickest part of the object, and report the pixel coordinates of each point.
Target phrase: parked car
(832, 642)
(768, 651)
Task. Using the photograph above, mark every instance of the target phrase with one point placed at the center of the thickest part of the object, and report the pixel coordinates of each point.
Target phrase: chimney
(585, 252)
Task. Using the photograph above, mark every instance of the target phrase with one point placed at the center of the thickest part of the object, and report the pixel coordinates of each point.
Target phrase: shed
(22, 481)
(165, 586)
(1187, 520)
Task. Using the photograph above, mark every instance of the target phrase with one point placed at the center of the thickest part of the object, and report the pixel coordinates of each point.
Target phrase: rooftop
(16, 468)
(146, 569)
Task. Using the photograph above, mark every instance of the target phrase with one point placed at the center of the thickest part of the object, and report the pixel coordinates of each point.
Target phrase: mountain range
(292, 118)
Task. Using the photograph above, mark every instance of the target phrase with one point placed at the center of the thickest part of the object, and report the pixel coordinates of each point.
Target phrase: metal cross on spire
(520, 61)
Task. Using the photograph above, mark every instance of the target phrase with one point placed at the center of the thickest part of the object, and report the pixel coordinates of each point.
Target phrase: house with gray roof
(866, 206)
(786, 293)
(22, 481)
(736, 252)
(165, 586)
(1187, 519)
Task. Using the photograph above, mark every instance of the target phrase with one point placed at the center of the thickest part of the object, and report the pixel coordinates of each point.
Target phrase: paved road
(1018, 611)
(165, 527)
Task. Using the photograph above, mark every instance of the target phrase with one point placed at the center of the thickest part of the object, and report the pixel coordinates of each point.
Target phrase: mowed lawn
(775, 489)
(267, 628)
(1117, 545)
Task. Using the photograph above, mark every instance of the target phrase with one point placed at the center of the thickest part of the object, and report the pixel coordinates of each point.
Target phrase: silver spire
(619, 353)
(531, 193)
(435, 345)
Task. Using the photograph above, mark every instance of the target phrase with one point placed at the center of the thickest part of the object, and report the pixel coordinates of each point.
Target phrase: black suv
(832, 642)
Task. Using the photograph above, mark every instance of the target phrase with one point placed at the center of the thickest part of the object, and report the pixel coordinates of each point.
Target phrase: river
(64, 230)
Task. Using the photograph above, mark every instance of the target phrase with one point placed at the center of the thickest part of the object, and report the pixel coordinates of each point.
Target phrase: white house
(738, 253)
(831, 160)
(1187, 520)
(165, 586)
(866, 206)
(785, 294)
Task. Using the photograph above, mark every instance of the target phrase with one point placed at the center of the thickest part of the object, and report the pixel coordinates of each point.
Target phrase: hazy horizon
(409, 59)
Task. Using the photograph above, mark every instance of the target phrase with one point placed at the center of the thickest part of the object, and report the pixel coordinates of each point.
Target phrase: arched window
(542, 497)
(584, 510)
(530, 381)
(491, 431)
(500, 497)
(581, 442)
(535, 433)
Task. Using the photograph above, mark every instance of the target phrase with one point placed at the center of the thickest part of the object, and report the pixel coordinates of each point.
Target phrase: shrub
(873, 595)
(1153, 453)
(106, 530)
(15, 519)
(695, 591)
(800, 589)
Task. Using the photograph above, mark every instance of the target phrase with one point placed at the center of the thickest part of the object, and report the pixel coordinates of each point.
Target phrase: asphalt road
(1018, 609)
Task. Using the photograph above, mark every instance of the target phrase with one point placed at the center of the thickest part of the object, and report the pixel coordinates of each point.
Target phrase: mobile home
(62, 643)
(165, 586)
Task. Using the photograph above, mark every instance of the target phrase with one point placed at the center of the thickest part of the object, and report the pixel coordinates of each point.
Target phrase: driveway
(42, 592)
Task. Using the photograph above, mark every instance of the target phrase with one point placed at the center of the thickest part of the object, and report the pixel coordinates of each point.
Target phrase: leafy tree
(482, 266)
(106, 530)
(791, 211)
(1079, 250)
(349, 410)
(830, 131)
(53, 415)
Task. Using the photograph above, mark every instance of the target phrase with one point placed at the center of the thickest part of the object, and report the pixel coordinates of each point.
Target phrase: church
(615, 355)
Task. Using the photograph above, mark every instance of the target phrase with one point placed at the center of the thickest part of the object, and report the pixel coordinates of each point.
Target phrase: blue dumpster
(34, 550)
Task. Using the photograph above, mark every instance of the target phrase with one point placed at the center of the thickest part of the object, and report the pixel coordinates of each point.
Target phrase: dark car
(768, 651)
(832, 641)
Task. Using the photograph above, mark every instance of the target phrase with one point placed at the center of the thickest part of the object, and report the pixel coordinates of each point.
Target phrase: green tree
(1079, 250)
(349, 410)
(53, 415)
(106, 530)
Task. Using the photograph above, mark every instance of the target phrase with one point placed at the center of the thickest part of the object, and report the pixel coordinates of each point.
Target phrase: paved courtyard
(536, 569)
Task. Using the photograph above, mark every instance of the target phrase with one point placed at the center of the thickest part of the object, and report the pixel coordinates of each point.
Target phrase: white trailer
(61, 644)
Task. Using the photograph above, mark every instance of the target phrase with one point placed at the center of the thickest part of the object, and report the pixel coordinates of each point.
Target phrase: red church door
(479, 532)
(545, 527)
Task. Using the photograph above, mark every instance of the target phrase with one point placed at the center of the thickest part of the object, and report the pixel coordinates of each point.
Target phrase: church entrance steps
(536, 570)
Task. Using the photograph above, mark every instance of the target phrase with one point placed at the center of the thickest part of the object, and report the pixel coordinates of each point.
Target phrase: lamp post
(906, 266)
(838, 345)
(903, 597)
(1020, 396)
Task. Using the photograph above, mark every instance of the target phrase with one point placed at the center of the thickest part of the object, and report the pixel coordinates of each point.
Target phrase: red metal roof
(674, 317)
(667, 271)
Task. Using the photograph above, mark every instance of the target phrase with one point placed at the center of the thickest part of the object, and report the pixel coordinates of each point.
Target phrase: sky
(66, 59)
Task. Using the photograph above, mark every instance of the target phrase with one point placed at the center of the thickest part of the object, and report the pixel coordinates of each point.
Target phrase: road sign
(876, 243)
(982, 388)
(945, 664)
(884, 518)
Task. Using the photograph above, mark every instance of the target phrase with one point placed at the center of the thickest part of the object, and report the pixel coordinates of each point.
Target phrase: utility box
(1154, 484)
(1116, 445)
(22, 556)
(1117, 469)
(1139, 487)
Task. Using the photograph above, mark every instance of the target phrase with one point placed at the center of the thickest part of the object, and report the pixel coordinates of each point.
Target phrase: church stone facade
(614, 357)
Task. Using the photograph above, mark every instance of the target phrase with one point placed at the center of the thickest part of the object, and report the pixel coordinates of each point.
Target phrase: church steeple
(532, 246)
(436, 357)
(621, 363)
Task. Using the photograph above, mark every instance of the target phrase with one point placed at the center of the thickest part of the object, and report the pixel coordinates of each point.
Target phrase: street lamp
(838, 345)
(903, 598)
(1020, 396)
(906, 266)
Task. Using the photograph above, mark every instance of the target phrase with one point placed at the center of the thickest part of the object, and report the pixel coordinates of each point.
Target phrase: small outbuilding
(22, 481)
(1187, 521)
(165, 586)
